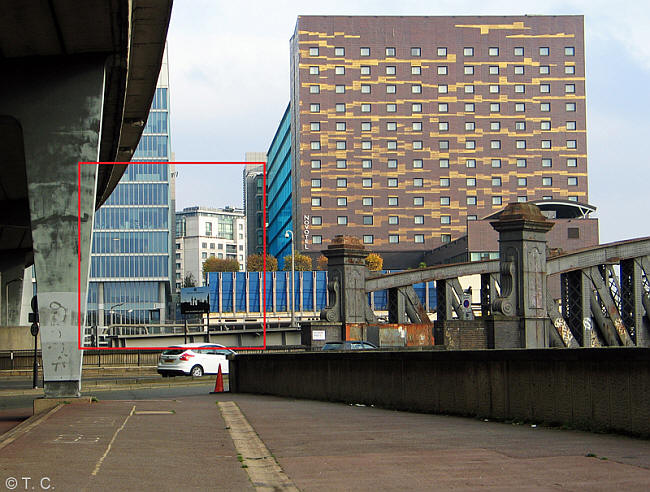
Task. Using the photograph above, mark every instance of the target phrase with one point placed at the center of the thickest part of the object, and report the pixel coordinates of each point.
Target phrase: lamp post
(289, 235)
(113, 312)
(19, 279)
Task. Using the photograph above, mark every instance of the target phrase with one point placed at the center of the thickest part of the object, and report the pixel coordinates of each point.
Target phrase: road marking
(155, 412)
(262, 468)
(110, 444)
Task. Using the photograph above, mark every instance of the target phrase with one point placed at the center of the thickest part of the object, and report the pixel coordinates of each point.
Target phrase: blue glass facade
(130, 268)
(278, 186)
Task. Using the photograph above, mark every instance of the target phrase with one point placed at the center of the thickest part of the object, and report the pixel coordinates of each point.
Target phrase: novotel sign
(306, 221)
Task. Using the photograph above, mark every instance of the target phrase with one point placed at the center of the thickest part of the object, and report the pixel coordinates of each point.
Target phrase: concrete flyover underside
(78, 81)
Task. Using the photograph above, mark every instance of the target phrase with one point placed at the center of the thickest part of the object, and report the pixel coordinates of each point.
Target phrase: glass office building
(130, 267)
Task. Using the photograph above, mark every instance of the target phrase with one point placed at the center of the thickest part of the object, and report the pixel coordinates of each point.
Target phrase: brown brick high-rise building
(404, 128)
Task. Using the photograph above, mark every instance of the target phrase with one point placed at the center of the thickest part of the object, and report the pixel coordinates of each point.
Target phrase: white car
(194, 359)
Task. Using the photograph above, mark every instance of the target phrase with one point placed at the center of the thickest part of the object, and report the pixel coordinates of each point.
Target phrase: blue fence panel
(433, 296)
(269, 292)
(254, 291)
(213, 281)
(240, 295)
(307, 291)
(226, 292)
(321, 290)
(421, 291)
(281, 291)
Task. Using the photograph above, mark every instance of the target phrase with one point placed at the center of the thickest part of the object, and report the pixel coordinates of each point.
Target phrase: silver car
(194, 359)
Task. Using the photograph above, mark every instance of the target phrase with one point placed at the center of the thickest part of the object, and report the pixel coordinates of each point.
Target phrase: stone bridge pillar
(520, 317)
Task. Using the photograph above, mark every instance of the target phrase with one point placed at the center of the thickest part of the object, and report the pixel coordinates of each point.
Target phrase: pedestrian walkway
(272, 443)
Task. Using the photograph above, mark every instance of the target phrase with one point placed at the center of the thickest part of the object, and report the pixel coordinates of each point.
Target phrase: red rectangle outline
(79, 164)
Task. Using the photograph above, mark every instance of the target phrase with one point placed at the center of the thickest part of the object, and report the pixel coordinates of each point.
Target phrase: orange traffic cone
(218, 386)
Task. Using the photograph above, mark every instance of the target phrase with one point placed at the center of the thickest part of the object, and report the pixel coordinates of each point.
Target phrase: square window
(468, 51)
(416, 51)
(416, 126)
(496, 200)
(496, 181)
(443, 144)
(520, 125)
(443, 126)
(315, 183)
(522, 163)
(470, 126)
(571, 181)
(313, 70)
(313, 51)
(569, 69)
(314, 108)
(522, 181)
(443, 89)
(340, 107)
(418, 219)
(316, 239)
(469, 89)
(495, 162)
(546, 144)
(340, 145)
(314, 126)
(416, 89)
(495, 107)
(365, 108)
(416, 108)
(520, 144)
(339, 70)
(470, 144)
(339, 51)
(390, 51)
(391, 145)
(339, 89)
(573, 198)
(366, 164)
(366, 182)
(364, 52)
(445, 238)
(417, 145)
(393, 238)
(547, 181)
(342, 220)
(494, 89)
(365, 89)
(367, 220)
(418, 182)
(468, 69)
(365, 70)
(545, 107)
(391, 89)
(545, 125)
(444, 163)
(393, 201)
(391, 125)
(417, 163)
(314, 89)
(391, 163)
(571, 144)
(366, 144)
(520, 88)
(570, 125)
(342, 202)
(418, 238)
(442, 51)
(392, 182)
(418, 201)
(520, 107)
(569, 51)
(469, 107)
(470, 182)
(519, 69)
(315, 145)
(493, 51)
(444, 182)
(442, 70)
(393, 220)
(445, 219)
(390, 70)
(341, 183)
(495, 144)
(391, 108)
(519, 51)
(494, 70)
(572, 162)
(569, 88)
(544, 88)
(340, 126)
(547, 162)
(544, 51)
(544, 69)
(470, 200)
(315, 164)
(368, 239)
(315, 201)
(341, 164)
(366, 126)
(570, 107)
(445, 200)
(522, 199)
(366, 201)
(470, 163)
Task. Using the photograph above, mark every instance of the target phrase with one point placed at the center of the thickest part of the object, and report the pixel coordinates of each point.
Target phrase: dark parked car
(349, 345)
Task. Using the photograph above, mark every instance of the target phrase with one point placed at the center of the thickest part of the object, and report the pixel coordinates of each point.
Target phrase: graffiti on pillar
(60, 335)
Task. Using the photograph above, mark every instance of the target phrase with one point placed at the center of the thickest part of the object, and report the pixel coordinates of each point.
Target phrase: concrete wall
(594, 389)
(17, 338)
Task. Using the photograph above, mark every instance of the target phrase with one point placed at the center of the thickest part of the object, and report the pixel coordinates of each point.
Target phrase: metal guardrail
(24, 359)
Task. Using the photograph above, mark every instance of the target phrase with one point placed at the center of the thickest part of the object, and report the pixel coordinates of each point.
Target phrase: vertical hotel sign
(306, 220)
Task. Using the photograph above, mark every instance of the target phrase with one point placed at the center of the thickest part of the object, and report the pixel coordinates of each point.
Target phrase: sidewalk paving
(185, 444)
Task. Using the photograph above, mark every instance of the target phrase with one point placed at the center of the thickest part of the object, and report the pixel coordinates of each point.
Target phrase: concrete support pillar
(522, 251)
(161, 301)
(100, 304)
(58, 104)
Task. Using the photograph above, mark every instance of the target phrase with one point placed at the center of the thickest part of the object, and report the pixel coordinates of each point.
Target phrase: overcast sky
(229, 86)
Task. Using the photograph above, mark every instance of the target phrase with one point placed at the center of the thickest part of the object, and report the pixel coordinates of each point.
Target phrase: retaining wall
(593, 389)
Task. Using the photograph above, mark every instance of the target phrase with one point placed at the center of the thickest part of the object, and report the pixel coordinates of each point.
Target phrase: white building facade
(203, 232)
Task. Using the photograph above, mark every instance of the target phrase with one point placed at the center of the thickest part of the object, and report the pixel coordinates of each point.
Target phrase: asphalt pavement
(203, 441)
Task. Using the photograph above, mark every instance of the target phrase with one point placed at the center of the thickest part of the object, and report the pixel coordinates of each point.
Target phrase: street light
(113, 312)
(289, 235)
(19, 279)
